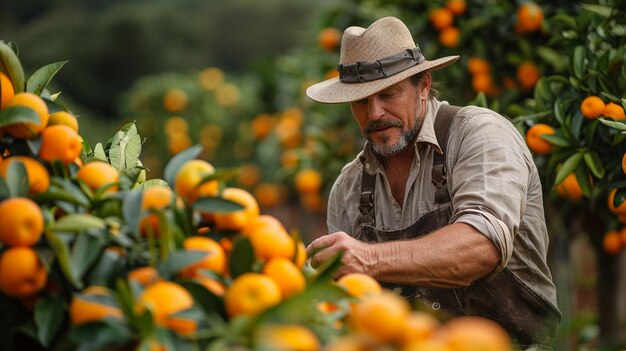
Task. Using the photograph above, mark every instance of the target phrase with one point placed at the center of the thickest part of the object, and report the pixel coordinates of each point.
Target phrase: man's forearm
(453, 256)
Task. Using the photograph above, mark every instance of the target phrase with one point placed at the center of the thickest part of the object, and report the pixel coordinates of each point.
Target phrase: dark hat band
(364, 71)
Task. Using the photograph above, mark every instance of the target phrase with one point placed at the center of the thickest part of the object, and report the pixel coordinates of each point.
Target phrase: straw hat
(373, 59)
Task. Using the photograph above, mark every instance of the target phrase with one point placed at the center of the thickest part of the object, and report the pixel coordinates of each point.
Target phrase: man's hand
(357, 255)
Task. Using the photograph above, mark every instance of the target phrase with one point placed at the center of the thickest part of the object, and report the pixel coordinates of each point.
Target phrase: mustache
(381, 124)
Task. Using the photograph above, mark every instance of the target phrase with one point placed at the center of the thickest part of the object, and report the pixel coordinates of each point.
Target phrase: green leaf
(556, 140)
(61, 253)
(216, 204)
(85, 252)
(558, 111)
(49, 317)
(602, 10)
(583, 179)
(209, 302)
(16, 179)
(613, 124)
(241, 258)
(11, 65)
(39, 80)
(568, 167)
(77, 222)
(558, 61)
(101, 335)
(18, 114)
(178, 260)
(131, 210)
(98, 153)
(578, 62)
(177, 161)
(592, 160)
(106, 269)
(152, 183)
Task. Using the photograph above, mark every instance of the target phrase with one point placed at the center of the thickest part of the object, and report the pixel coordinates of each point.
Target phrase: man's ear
(425, 84)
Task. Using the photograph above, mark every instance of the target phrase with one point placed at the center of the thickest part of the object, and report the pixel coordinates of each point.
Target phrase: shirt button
(436, 306)
(367, 166)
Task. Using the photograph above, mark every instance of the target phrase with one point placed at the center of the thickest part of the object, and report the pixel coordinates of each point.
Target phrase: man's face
(391, 118)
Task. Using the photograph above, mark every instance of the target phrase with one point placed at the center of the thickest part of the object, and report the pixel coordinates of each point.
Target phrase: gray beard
(407, 137)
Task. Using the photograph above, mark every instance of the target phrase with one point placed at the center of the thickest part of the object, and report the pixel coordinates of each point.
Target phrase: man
(455, 221)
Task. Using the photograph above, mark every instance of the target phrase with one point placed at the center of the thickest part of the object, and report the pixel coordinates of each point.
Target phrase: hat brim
(333, 91)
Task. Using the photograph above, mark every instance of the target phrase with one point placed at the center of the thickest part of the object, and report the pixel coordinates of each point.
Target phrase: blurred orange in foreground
(21, 272)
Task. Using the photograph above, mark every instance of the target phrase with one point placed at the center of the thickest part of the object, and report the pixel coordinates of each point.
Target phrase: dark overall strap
(442, 124)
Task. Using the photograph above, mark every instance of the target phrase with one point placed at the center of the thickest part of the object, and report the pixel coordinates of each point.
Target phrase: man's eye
(362, 101)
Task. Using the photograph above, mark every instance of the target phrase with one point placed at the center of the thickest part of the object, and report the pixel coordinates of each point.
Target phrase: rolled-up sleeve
(489, 178)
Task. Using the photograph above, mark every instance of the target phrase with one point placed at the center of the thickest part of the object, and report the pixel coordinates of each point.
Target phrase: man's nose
(375, 109)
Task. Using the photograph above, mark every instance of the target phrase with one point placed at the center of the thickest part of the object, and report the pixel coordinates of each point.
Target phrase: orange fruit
(211, 285)
(620, 210)
(188, 178)
(475, 333)
(286, 337)
(269, 195)
(97, 174)
(262, 126)
(441, 18)
(227, 95)
(144, 275)
(210, 78)
(308, 180)
(624, 163)
(154, 199)
(248, 175)
(420, 326)
(176, 124)
(7, 90)
(359, 285)
(175, 100)
(476, 65)
(163, 299)
(527, 75)
(329, 38)
(382, 316)
(534, 140)
(250, 294)
(529, 18)
(301, 255)
(450, 36)
(614, 111)
(239, 219)
(21, 272)
(569, 188)
(21, 222)
(286, 274)
(262, 221)
(60, 142)
(269, 242)
(38, 176)
(481, 81)
(63, 118)
(612, 242)
(215, 259)
(178, 142)
(25, 130)
(457, 7)
(592, 107)
(85, 308)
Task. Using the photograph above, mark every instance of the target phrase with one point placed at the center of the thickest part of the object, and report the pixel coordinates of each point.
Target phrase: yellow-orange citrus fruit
(251, 293)
(215, 259)
(188, 178)
(312, 201)
(178, 142)
(227, 95)
(21, 272)
(456, 6)
(527, 75)
(592, 107)
(144, 275)
(614, 111)
(262, 221)
(475, 333)
(301, 255)
(612, 242)
(63, 118)
(270, 242)
(6, 89)
(248, 175)
(163, 299)
(82, 309)
(420, 326)
(329, 38)
(176, 124)
(476, 65)
(38, 176)
(534, 140)
(239, 219)
(624, 163)
(210, 78)
(96, 174)
(175, 100)
(60, 143)
(21, 222)
(427, 345)
(620, 210)
(211, 285)
(450, 36)
(569, 188)
(24, 130)
(359, 285)
(286, 337)
(154, 198)
(269, 195)
(382, 316)
(481, 81)
(286, 274)
(308, 180)
(529, 18)
(441, 18)
(262, 126)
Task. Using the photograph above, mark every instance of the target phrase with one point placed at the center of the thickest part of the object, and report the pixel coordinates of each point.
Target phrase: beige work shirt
(493, 183)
